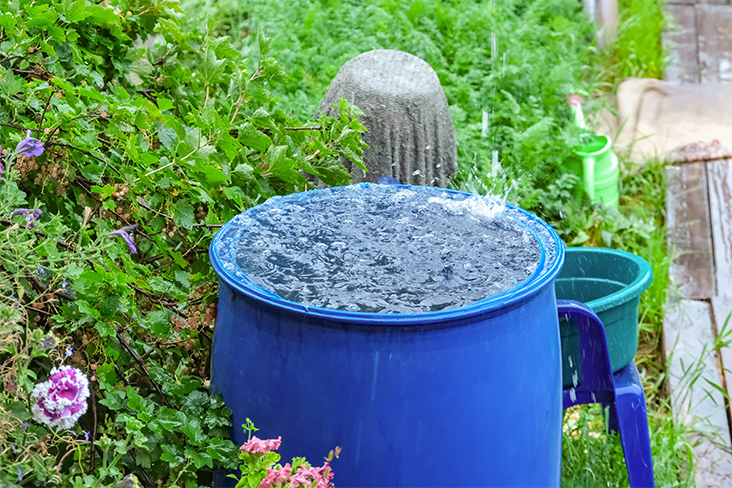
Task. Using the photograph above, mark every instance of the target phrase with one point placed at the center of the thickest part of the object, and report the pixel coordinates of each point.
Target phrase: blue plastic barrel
(464, 397)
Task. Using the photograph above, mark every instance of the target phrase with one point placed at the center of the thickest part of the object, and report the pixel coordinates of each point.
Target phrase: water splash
(388, 250)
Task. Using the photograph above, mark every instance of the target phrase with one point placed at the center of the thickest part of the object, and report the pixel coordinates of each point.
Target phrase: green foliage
(515, 60)
(147, 119)
(639, 50)
(178, 122)
(593, 457)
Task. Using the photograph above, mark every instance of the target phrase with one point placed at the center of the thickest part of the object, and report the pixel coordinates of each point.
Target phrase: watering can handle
(588, 176)
(593, 345)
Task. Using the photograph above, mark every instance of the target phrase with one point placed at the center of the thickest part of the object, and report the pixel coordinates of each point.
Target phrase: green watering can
(599, 168)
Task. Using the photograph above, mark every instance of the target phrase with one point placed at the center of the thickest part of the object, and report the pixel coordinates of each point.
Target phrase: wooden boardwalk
(699, 219)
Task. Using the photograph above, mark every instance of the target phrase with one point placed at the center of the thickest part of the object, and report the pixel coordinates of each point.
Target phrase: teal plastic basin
(610, 282)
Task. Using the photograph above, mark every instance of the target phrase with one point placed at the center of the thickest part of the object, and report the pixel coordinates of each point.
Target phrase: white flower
(61, 399)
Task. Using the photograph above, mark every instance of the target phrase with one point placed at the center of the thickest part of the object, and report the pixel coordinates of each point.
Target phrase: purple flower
(31, 215)
(86, 435)
(69, 351)
(62, 399)
(125, 233)
(24, 425)
(30, 146)
(20, 474)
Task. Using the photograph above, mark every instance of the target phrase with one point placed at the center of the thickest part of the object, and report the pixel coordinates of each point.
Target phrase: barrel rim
(526, 289)
(631, 291)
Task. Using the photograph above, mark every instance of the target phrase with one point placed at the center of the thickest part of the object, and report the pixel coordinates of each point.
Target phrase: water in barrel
(385, 249)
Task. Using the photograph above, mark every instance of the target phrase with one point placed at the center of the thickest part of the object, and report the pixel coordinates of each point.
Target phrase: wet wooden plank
(689, 230)
(684, 68)
(721, 310)
(714, 34)
(692, 362)
(719, 175)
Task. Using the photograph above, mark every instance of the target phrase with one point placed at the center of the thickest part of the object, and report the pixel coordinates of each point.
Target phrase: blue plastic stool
(622, 393)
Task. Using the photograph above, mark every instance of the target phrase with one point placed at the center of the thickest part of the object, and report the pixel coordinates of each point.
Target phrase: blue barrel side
(470, 402)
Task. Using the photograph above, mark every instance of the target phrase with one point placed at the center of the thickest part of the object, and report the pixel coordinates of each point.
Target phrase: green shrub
(146, 120)
(515, 60)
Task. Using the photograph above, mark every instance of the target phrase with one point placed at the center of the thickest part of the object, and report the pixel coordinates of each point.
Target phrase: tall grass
(592, 457)
(639, 49)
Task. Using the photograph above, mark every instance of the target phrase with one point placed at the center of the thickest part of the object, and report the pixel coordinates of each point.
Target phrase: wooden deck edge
(689, 335)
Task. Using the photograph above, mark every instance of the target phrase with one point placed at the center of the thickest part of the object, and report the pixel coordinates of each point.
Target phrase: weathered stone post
(410, 132)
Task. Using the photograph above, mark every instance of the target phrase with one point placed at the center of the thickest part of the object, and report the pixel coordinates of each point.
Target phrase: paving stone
(689, 230)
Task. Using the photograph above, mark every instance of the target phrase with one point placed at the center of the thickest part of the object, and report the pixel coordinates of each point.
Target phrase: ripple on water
(386, 250)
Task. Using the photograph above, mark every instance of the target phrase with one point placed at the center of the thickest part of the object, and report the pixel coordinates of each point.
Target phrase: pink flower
(275, 477)
(306, 476)
(62, 399)
(259, 446)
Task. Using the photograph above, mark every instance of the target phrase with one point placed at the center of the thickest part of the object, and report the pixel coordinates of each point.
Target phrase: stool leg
(632, 423)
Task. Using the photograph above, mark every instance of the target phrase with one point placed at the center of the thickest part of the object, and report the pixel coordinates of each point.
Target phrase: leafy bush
(514, 60)
(150, 128)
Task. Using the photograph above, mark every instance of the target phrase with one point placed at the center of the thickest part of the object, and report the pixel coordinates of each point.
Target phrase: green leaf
(170, 420)
(107, 376)
(138, 69)
(277, 162)
(85, 309)
(253, 138)
(7, 22)
(191, 427)
(184, 214)
(164, 104)
(194, 403)
(607, 238)
(581, 238)
(200, 459)
(213, 175)
(236, 194)
(224, 451)
(143, 459)
(211, 68)
(102, 15)
(167, 136)
(171, 455)
(44, 19)
(264, 43)
(104, 192)
(76, 11)
(114, 399)
(112, 305)
(19, 411)
(93, 94)
(134, 400)
(9, 83)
